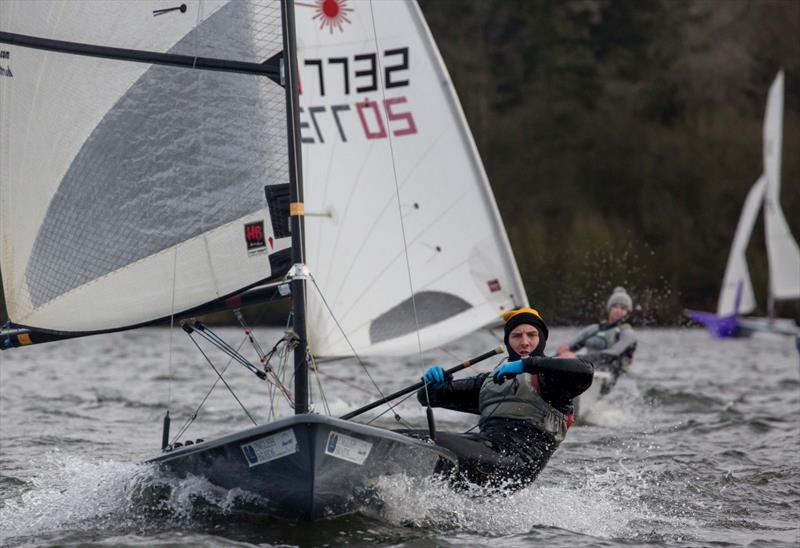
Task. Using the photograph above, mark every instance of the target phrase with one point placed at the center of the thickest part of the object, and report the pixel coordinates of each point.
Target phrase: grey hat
(620, 296)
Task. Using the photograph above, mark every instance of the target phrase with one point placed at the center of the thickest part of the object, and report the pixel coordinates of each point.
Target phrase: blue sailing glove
(511, 369)
(434, 375)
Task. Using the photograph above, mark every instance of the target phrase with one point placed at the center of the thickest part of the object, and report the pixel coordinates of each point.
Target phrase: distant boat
(736, 296)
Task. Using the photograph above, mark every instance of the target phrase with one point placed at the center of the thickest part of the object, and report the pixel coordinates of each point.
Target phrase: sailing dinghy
(161, 160)
(736, 296)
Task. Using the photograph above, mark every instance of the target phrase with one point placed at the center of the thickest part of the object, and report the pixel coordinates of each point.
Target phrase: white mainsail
(737, 276)
(782, 249)
(385, 141)
(126, 188)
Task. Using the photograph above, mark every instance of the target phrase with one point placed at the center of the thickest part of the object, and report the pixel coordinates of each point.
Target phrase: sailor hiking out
(525, 406)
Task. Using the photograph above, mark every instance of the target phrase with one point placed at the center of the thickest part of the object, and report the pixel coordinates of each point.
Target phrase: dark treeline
(621, 138)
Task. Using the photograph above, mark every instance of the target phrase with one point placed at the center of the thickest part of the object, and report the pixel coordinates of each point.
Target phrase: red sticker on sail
(329, 13)
(494, 285)
(254, 236)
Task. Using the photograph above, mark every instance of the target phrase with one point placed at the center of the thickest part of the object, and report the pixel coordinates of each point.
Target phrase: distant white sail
(736, 273)
(120, 180)
(378, 106)
(782, 249)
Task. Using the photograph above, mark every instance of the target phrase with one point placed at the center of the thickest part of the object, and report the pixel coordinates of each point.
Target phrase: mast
(296, 209)
(765, 208)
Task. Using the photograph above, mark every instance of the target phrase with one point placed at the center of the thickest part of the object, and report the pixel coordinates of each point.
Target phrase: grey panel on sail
(180, 153)
(432, 307)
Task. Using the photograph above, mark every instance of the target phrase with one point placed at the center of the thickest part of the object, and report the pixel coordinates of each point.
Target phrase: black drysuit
(507, 451)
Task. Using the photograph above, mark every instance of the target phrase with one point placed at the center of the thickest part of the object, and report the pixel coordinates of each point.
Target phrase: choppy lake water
(698, 446)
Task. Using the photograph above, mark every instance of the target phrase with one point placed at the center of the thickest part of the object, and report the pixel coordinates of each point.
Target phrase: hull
(305, 467)
(778, 326)
(725, 327)
(721, 327)
(601, 384)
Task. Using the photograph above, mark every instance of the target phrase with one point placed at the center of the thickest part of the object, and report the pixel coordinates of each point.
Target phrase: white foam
(74, 492)
(67, 490)
(605, 506)
(621, 408)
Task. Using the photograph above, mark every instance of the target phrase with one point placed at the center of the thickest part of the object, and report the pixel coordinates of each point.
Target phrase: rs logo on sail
(5, 71)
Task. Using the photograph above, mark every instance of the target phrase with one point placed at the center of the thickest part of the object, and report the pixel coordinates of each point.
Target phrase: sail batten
(150, 57)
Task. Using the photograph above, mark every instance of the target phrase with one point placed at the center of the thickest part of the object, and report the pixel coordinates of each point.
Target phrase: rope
(319, 384)
(397, 189)
(352, 348)
(352, 385)
(397, 417)
(262, 357)
(282, 368)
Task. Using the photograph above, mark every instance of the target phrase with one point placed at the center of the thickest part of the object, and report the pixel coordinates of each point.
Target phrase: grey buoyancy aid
(605, 339)
(602, 339)
(517, 399)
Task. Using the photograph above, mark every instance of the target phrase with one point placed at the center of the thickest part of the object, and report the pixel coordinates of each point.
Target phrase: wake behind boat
(178, 145)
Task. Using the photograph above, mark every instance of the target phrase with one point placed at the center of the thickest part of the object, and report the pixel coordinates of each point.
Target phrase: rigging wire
(453, 355)
(224, 382)
(283, 364)
(194, 415)
(268, 374)
(282, 368)
(172, 326)
(222, 345)
(276, 383)
(352, 348)
(262, 357)
(397, 188)
(345, 382)
(398, 418)
(319, 383)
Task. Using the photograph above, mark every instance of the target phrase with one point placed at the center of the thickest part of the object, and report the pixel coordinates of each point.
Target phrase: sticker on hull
(270, 448)
(347, 448)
